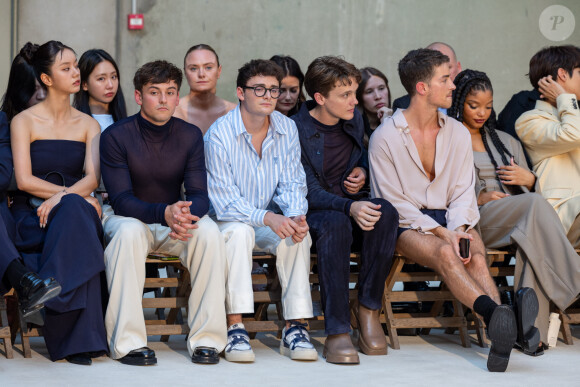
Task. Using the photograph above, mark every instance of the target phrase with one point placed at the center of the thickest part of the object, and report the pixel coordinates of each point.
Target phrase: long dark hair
(366, 73)
(89, 60)
(291, 69)
(469, 81)
(21, 82)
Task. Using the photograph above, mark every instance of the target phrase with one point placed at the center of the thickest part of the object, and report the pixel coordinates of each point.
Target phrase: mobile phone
(464, 247)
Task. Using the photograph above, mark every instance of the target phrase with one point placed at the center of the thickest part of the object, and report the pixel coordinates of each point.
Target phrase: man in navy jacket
(340, 211)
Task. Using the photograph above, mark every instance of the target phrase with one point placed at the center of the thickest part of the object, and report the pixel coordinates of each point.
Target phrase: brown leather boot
(372, 339)
(338, 349)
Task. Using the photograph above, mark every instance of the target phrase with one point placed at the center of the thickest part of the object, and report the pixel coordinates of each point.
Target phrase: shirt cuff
(257, 218)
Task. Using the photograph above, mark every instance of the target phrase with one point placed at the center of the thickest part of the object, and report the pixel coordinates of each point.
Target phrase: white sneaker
(238, 348)
(296, 343)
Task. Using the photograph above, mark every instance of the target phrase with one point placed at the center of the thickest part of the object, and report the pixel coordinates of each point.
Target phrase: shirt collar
(276, 122)
(403, 127)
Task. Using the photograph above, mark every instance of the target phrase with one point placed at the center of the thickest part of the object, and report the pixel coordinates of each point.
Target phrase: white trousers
(128, 243)
(292, 263)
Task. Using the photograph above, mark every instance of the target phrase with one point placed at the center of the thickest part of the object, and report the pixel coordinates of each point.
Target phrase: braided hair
(470, 81)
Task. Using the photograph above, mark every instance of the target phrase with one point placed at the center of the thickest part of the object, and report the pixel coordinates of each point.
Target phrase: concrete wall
(495, 36)
(5, 43)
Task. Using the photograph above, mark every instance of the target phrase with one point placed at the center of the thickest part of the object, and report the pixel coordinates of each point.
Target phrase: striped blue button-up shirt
(240, 184)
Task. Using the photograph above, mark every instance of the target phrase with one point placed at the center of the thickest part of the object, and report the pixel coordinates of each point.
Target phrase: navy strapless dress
(68, 249)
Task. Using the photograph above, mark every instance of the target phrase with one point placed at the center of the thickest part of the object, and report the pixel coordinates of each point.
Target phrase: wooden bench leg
(565, 329)
(182, 291)
(398, 263)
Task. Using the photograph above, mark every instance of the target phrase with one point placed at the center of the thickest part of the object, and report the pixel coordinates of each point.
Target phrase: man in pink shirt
(422, 162)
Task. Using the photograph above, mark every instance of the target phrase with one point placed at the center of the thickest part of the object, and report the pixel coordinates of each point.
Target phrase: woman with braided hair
(513, 214)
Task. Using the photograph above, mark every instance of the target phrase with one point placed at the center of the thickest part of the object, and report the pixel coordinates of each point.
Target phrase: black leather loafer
(526, 310)
(80, 359)
(35, 292)
(140, 357)
(205, 355)
(502, 331)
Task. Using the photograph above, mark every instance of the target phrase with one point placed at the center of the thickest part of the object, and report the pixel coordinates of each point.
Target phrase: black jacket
(312, 143)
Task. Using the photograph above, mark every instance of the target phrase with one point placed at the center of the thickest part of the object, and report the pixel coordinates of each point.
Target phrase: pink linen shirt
(397, 174)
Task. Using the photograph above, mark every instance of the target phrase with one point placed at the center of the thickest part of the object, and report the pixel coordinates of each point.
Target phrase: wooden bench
(5, 333)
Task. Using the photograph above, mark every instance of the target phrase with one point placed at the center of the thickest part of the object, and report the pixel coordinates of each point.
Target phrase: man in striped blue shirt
(253, 163)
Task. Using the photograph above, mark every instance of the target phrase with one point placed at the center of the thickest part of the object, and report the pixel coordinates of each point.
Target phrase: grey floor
(437, 359)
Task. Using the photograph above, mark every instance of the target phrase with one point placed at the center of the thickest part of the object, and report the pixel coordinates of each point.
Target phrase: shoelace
(238, 336)
(297, 335)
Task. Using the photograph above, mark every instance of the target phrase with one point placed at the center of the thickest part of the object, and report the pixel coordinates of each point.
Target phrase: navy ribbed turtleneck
(144, 165)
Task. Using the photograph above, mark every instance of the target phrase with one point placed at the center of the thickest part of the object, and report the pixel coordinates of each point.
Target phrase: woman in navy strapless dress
(55, 150)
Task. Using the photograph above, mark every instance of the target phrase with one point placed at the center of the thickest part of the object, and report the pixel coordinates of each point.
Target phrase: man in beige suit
(551, 132)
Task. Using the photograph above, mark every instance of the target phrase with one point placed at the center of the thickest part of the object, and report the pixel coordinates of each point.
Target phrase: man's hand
(513, 174)
(486, 197)
(283, 226)
(95, 203)
(302, 230)
(365, 214)
(550, 89)
(179, 218)
(355, 180)
(453, 237)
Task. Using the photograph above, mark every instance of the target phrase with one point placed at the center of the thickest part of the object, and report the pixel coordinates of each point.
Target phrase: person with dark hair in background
(201, 107)
(374, 99)
(58, 227)
(512, 213)
(518, 104)
(24, 88)
(341, 215)
(22, 92)
(454, 69)
(551, 132)
(146, 158)
(253, 159)
(421, 161)
(100, 94)
(292, 95)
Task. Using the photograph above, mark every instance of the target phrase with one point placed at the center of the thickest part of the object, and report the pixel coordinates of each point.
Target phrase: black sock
(484, 306)
(14, 272)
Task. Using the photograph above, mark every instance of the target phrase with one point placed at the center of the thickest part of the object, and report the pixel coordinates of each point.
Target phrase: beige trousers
(128, 243)
(292, 263)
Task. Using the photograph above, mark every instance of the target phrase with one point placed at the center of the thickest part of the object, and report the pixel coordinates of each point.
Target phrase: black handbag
(34, 201)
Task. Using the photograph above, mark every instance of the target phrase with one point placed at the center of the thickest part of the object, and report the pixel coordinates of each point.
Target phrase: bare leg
(478, 269)
(435, 253)
(234, 319)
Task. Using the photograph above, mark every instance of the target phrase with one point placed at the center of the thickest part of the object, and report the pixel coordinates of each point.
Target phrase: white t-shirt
(105, 120)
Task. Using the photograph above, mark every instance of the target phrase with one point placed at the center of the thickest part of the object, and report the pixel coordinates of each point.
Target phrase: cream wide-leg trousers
(128, 243)
(292, 263)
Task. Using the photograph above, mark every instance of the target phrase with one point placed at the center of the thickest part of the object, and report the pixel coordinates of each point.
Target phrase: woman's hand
(513, 174)
(95, 203)
(384, 112)
(486, 197)
(44, 209)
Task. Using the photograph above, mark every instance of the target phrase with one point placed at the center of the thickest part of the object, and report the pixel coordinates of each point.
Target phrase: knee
(73, 201)
(237, 232)
(447, 259)
(335, 223)
(389, 215)
(130, 230)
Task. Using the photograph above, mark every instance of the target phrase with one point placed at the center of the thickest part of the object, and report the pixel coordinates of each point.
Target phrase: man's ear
(240, 93)
(138, 97)
(421, 88)
(563, 75)
(458, 67)
(319, 98)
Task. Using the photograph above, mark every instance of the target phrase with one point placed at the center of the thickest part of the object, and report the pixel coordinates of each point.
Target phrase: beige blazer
(551, 137)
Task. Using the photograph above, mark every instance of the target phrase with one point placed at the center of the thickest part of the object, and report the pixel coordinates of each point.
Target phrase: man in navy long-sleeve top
(145, 160)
